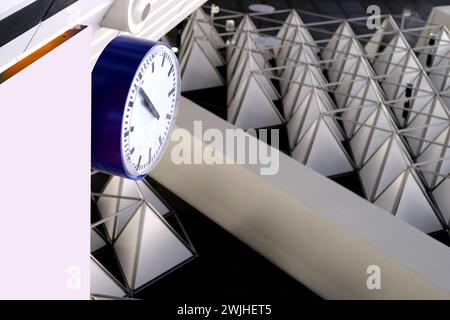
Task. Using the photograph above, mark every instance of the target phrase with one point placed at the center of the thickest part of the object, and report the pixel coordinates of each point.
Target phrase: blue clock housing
(112, 79)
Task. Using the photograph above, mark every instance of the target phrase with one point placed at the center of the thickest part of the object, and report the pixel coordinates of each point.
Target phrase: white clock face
(150, 110)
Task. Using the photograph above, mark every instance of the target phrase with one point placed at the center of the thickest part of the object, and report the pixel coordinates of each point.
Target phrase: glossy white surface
(163, 16)
(8, 7)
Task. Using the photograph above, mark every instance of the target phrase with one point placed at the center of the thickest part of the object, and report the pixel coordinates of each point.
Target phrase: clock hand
(149, 103)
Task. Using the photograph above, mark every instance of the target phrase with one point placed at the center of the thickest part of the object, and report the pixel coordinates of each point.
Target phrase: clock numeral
(171, 92)
(170, 71)
(164, 60)
(132, 150)
(160, 140)
(149, 154)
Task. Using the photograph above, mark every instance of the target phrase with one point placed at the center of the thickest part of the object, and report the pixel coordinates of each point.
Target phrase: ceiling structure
(373, 102)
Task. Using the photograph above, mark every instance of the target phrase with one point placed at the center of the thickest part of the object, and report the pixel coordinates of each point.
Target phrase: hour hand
(149, 103)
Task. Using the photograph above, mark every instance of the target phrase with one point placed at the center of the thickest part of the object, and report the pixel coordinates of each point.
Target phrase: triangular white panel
(297, 92)
(285, 28)
(244, 70)
(429, 126)
(443, 46)
(401, 73)
(440, 49)
(160, 250)
(301, 150)
(296, 39)
(388, 200)
(310, 109)
(379, 37)
(129, 189)
(303, 59)
(385, 165)
(352, 83)
(199, 72)
(126, 247)
(445, 95)
(394, 52)
(439, 56)
(113, 202)
(124, 217)
(371, 171)
(351, 115)
(212, 54)
(254, 109)
(306, 78)
(442, 198)
(117, 200)
(246, 46)
(200, 26)
(186, 33)
(245, 26)
(440, 74)
(395, 163)
(435, 169)
(415, 208)
(360, 107)
(113, 186)
(379, 134)
(422, 93)
(302, 119)
(407, 201)
(198, 34)
(291, 25)
(204, 22)
(97, 242)
(345, 61)
(102, 283)
(290, 44)
(322, 151)
(147, 248)
(370, 136)
(338, 41)
(151, 198)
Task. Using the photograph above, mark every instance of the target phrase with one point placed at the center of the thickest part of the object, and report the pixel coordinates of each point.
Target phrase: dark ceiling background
(339, 8)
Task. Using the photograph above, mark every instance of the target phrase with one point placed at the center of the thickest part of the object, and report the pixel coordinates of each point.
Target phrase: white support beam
(164, 16)
(317, 231)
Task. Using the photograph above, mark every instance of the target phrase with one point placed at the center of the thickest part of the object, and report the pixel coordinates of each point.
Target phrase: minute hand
(149, 103)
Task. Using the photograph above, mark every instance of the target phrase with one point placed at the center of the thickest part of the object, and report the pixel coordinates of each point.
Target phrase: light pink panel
(45, 178)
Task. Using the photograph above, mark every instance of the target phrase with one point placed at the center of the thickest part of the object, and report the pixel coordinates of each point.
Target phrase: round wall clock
(135, 96)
